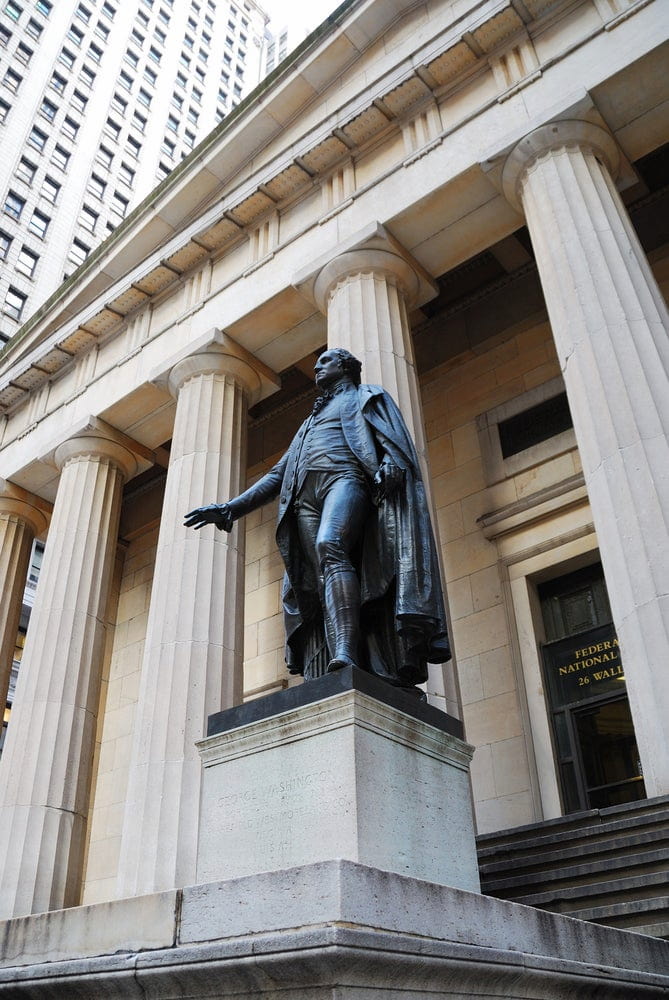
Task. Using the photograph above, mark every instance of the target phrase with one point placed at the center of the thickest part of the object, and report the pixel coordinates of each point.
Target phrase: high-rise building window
(119, 104)
(119, 204)
(44, 7)
(58, 82)
(97, 186)
(184, 60)
(5, 245)
(78, 101)
(70, 128)
(162, 171)
(78, 252)
(168, 147)
(105, 156)
(181, 80)
(113, 128)
(12, 80)
(160, 36)
(5, 36)
(75, 34)
(138, 38)
(50, 189)
(60, 157)
(144, 97)
(13, 10)
(67, 58)
(26, 170)
(88, 218)
(14, 303)
(177, 101)
(48, 109)
(193, 116)
(132, 58)
(94, 52)
(102, 31)
(26, 262)
(197, 95)
(155, 54)
(4, 110)
(39, 223)
(87, 76)
(34, 29)
(189, 138)
(37, 138)
(23, 53)
(150, 75)
(83, 13)
(163, 16)
(109, 11)
(125, 80)
(126, 174)
(139, 121)
(172, 123)
(14, 204)
(134, 147)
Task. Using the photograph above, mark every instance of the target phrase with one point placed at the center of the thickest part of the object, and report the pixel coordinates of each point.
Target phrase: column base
(331, 931)
(345, 766)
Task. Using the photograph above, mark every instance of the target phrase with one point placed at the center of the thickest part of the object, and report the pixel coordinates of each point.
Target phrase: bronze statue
(362, 584)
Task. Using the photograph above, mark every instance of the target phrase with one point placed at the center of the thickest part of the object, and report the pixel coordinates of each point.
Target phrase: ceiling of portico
(196, 216)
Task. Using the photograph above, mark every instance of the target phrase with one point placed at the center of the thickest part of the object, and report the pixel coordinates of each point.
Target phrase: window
(189, 138)
(70, 128)
(37, 138)
(144, 97)
(13, 10)
(50, 190)
(172, 123)
(132, 58)
(23, 53)
(126, 174)
(60, 157)
(5, 244)
(163, 171)
(5, 36)
(88, 218)
(94, 52)
(113, 128)
(26, 262)
(26, 170)
(143, 18)
(119, 104)
(203, 55)
(102, 31)
(67, 58)
(197, 95)
(120, 204)
(39, 224)
(44, 7)
(125, 80)
(160, 36)
(163, 16)
(12, 80)
(192, 23)
(78, 252)
(14, 204)
(4, 110)
(48, 109)
(97, 186)
(181, 80)
(139, 121)
(168, 147)
(137, 37)
(34, 29)
(75, 34)
(78, 101)
(206, 38)
(155, 54)
(58, 83)
(177, 101)
(200, 73)
(193, 116)
(87, 76)
(184, 60)
(150, 75)
(105, 156)
(14, 303)
(134, 147)
(108, 11)
(83, 13)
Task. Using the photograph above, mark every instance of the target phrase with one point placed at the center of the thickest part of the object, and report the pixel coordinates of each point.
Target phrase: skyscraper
(99, 101)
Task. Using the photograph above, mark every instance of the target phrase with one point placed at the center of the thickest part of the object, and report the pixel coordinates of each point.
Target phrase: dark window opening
(535, 425)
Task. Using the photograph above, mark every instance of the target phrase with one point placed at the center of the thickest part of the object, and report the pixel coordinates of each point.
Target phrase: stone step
(570, 898)
(598, 870)
(625, 914)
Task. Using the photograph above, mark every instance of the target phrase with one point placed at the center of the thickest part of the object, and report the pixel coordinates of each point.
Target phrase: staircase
(610, 866)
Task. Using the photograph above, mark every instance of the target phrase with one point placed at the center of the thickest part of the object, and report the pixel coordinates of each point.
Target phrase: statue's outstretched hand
(219, 514)
(388, 480)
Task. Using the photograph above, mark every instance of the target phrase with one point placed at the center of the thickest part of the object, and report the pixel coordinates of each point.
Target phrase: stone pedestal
(343, 767)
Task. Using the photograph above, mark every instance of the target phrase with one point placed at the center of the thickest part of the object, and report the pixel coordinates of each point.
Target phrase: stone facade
(464, 195)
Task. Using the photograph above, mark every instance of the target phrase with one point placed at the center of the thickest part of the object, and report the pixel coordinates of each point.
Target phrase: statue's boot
(342, 606)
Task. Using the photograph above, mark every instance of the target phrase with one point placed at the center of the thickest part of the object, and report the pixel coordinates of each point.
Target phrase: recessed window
(67, 58)
(60, 157)
(75, 34)
(139, 121)
(88, 218)
(70, 128)
(181, 80)
(200, 73)
(12, 80)
(78, 101)
(534, 425)
(126, 174)
(197, 95)
(177, 101)
(163, 16)
(83, 13)
(4, 110)
(102, 31)
(162, 171)
(26, 170)
(108, 11)
(125, 80)
(160, 36)
(58, 82)
(33, 28)
(134, 147)
(105, 156)
(87, 76)
(172, 123)
(95, 52)
(23, 53)
(97, 186)
(50, 189)
(119, 104)
(113, 128)
(184, 60)
(78, 252)
(144, 97)
(44, 7)
(189, 138)
(155, 54)
(120, 204)
(5, 36)
(37, 138)
(48, 109)
(39, 223)
(168, 147)
(26, 262)
(5, 245)
(14, 303)
(193, 116)
(137, 37)
(13, 10)
(132, 58)
(150, 75)
(14, 204)
(143, 18)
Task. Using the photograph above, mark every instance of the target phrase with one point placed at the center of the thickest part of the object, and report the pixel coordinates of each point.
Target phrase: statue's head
(349, 363)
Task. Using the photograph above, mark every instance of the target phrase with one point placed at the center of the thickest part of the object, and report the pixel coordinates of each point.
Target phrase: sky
(301, 16)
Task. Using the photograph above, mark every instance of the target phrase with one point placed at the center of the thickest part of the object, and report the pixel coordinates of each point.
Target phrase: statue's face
(328, 369)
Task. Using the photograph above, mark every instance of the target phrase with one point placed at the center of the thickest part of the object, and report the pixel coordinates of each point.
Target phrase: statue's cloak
(399, 571)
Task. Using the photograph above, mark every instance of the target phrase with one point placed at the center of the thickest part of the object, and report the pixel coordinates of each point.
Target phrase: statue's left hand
(388, 480)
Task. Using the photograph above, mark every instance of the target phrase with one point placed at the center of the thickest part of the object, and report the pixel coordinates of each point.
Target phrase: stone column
(22, 518)
(46, 765)
(193, 656)
(611, 326)
(366, 291)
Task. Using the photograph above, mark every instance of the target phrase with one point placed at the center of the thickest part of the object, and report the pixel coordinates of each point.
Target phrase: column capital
(371, 250)
(570, 133)
(17, 502)
(215, 352)
(98, 447)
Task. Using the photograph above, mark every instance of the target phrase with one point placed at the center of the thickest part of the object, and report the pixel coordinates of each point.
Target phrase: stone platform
(330, 931)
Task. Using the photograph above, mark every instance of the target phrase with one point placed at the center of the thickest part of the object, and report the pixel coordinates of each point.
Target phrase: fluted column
(611, 330)
(193, 654)
(365, 293)
(22, 518)
(45, 771)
